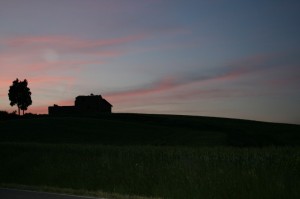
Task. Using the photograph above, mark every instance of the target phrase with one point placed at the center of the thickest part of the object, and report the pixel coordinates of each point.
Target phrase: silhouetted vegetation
(4, 115)
(19, 94)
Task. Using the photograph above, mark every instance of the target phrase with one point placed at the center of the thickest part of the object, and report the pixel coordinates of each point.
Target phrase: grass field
(166, 172)
(142, 129)
(153, 156)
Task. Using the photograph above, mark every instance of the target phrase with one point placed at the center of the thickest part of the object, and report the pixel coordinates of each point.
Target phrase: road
(24, 194)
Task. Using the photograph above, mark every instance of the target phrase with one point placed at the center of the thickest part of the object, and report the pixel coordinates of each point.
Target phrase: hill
(149, 129)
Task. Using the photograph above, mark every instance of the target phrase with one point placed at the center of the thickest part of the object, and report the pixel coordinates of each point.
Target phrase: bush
(4, 115)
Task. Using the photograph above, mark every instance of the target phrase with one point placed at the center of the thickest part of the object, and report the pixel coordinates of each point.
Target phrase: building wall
(92, 103)
(83, 105)
(62, 110)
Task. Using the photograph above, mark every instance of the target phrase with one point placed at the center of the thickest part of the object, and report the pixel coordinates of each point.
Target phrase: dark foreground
(147, 129)
(159, 156)
(152, 171)
(24, 194)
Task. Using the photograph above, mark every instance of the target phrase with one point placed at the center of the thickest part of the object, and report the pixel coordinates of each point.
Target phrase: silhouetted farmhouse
(83, 105)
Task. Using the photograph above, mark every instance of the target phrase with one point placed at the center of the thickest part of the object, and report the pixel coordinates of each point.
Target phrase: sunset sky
(223, 58)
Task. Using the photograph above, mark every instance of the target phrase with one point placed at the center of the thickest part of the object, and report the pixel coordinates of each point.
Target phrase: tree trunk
(23, 112)
(19, 110)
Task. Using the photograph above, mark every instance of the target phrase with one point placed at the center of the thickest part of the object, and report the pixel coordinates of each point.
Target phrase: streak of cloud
(243, 74)
(66, 43)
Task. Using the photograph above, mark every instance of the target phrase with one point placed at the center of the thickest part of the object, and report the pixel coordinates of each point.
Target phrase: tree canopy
(19, 94)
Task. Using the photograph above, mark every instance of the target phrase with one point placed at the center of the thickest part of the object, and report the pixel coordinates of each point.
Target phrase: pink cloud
(27, 54)
(50, 79)
(68, 43)
(38, 80)
(188, 86)
(61, 65)
(30, 68)
(162, 85)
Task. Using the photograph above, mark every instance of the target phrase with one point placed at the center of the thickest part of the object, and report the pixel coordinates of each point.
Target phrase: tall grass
(167, 172)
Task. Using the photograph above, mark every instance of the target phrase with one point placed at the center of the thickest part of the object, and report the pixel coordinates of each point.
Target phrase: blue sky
(237, 59)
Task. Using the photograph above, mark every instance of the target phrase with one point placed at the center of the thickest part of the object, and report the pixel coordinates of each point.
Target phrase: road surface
(24, 194)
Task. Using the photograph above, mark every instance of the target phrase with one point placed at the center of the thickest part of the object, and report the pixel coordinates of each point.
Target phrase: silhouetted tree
(19, 94)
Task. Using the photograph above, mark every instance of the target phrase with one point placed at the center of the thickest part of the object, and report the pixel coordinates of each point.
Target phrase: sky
(222, 58)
